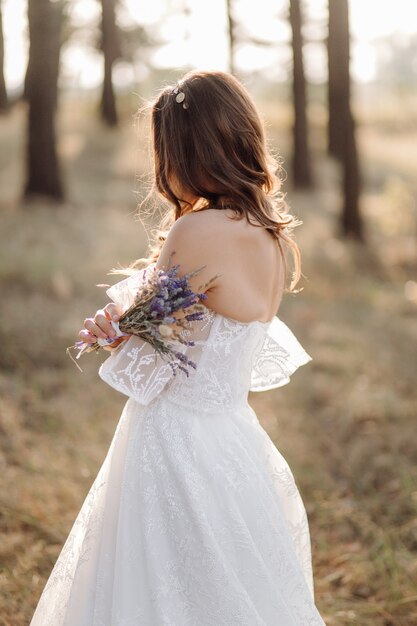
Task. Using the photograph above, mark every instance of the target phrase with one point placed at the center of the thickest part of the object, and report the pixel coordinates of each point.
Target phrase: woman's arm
(190, 245)
(135, 368)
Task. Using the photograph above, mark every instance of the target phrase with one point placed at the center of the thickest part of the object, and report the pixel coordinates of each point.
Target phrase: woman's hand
(100, 325)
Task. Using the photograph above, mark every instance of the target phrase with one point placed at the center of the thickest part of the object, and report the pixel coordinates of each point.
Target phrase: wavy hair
(215, 147)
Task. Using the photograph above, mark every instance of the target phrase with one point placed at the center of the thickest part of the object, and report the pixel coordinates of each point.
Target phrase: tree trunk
(341, 138)
(351, 222)
(231, 37)
(110, 48)
(301, 156)
(338, 55)
(4, 104)
(41, 86)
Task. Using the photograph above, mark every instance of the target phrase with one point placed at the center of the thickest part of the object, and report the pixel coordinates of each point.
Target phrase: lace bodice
(232, 358)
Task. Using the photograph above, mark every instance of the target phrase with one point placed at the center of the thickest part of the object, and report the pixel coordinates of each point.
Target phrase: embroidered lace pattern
(194, 517)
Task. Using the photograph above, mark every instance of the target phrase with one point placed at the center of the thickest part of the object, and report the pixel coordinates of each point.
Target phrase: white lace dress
(194, 518)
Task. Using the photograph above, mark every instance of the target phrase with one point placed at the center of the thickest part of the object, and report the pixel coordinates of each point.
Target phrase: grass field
(346, 424)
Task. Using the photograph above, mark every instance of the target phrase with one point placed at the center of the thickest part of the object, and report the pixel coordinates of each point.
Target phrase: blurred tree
(301, 156)
(137, 45)
(351, 222)
(41, 90)
(339, 74)
(4, 104)
(341, 126)
(110, 46)
(231, 36)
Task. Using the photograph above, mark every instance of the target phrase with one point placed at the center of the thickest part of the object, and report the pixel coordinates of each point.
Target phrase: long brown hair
(212, 141)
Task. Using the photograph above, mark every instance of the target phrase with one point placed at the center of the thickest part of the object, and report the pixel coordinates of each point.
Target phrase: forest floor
(346, 424)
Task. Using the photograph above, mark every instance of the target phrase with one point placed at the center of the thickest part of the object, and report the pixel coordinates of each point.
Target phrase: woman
(194, 517)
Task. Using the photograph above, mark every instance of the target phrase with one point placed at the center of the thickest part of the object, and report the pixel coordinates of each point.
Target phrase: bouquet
(161, 295)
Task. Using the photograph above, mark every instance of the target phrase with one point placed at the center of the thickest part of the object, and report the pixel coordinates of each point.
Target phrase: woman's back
(245, 259)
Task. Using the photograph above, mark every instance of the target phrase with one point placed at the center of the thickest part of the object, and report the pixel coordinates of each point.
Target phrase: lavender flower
(162, 294)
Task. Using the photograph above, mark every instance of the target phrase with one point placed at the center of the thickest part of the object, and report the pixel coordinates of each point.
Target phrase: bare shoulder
(207, 223)
(193, 242)
(214, 236)
(197, 235)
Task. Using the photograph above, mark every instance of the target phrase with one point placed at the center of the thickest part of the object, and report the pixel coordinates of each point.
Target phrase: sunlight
(199, 39)
(15, 42)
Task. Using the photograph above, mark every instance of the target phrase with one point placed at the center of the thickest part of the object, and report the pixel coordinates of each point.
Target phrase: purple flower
(161, 294)
(194, 316)
(169, 320)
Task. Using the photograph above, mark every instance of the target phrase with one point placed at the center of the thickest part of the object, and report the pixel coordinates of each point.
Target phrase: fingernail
(115, 318)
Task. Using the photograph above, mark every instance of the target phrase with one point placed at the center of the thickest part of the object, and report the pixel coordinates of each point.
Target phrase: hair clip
(180, 97)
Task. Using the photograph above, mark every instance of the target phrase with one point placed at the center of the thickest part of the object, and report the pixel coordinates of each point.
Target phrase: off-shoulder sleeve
(123, 293)
(135, 368)
(280, 356)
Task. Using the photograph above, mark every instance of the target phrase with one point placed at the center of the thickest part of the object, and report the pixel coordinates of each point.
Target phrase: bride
(194, 518)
